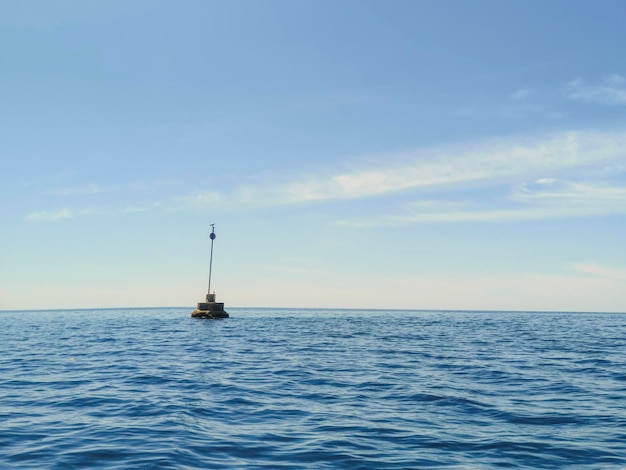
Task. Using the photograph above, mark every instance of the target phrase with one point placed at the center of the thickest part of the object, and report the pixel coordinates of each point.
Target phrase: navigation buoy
(210, 308)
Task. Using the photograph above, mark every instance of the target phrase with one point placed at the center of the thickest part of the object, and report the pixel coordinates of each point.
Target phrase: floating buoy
(210, 308)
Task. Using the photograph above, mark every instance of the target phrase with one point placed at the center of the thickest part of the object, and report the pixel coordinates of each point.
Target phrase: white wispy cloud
(55, 216)
(77, 190)
(521, 94)
(522, 103)
(607, 194)
(484, 163)
(334, 100)
(198, 199)
(546, 181)
(556, 165)
(610, 90)
(614, 273)
(411, 217)
(519, 109)
(134, 208)
(71, 213)
(546, 198)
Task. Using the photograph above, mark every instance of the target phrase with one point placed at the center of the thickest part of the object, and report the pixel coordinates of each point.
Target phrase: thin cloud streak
(500, 215)
(55, 216)
(135, 209)
(614, 273)
(522, 94)
(196, 200)
(77, 190)
(67, 213)
(486, 163)
(579, 192)
(611, 90)
(569, 200)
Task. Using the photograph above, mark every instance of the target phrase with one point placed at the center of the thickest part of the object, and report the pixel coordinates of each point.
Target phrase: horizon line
(425, 310)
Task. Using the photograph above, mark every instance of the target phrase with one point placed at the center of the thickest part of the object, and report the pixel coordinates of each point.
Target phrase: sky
(428, 154)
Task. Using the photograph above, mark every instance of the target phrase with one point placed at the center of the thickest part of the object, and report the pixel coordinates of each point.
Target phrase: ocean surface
(353, 389)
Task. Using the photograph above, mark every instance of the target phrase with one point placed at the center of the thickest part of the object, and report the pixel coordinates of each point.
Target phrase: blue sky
(428, 155)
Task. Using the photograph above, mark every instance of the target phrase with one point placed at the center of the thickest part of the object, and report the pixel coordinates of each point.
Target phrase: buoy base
(209, 314)
(210, 309)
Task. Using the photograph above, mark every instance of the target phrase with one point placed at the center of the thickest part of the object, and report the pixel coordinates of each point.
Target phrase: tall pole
(211, 259)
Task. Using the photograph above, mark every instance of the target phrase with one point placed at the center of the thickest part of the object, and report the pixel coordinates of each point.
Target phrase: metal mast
(211, 259)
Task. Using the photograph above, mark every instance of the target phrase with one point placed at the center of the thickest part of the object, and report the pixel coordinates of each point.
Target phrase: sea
(312, 389)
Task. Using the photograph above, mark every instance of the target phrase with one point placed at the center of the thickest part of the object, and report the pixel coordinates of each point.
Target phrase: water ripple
(155, 389)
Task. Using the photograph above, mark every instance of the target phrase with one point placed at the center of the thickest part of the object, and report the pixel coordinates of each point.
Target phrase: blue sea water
(354, 389)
